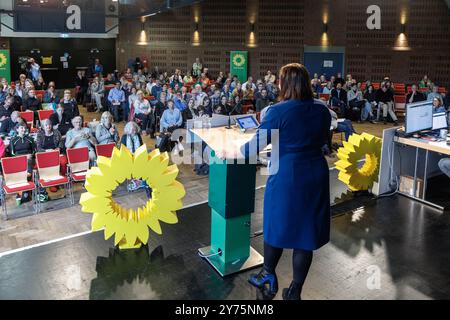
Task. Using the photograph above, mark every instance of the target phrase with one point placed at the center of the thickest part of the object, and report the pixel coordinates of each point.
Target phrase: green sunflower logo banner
(5, 68)
(239, 64)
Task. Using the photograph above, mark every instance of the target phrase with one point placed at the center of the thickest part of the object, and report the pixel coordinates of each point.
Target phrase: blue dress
(297, 196)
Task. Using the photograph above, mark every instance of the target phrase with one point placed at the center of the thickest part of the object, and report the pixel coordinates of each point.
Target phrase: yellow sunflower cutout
(3, 60)
(364, 146)
(130, 226)
(239, 60)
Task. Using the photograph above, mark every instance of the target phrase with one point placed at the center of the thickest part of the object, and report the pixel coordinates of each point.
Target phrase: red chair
(442, 90)
(78, 163)
(399, 88)
(15, 180)
(28, 117)
(400, 103)
(44, 114)
(48, 168)
(105, 150)
(324, 96)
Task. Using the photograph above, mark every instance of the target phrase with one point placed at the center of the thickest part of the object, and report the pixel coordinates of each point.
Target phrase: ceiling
(137, 8)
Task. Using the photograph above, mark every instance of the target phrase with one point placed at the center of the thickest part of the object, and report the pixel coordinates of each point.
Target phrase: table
(439, 147)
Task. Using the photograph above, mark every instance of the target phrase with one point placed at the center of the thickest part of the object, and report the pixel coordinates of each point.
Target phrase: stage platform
(391, 248)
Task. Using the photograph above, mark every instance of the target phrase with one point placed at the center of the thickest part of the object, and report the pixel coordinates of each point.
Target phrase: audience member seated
(60, 120)
(79, 137)
(238, 91)
(357, 102)
(269, 77)
(7, 126)
(6, 109)
(98, 92)
(339, 98)
(262, 102)
(49, 139)
(40, 84)
(109, 79)
(248, 93)
(438, 106)
(131, 137)
(237, 106)
(341, 125)
(207, 106)
(106, 131)
(50, 96)
(70, 105)
(116, 98)
(415, 96)
(171, 118)
(370, 95)
(156, 89)
(245, 85)
(328, 88)
(23, 144)
(425, 82)
(435, 94)
(188, 78)
(17, 101)
(317, 87)
(385, 99)
(144, 112)
(32, 104)
(223, 107)
(197, 68)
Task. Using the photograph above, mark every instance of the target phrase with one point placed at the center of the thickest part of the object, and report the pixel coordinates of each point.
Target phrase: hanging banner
(5, 68)
(238, 65)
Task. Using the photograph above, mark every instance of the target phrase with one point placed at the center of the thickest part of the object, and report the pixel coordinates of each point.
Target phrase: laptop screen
(440, 121)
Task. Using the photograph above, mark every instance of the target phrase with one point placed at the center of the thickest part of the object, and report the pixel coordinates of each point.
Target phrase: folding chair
(78, 165)
(28, 116)
(48, 168)
(15, 180)
(105, 150)
(44, 114)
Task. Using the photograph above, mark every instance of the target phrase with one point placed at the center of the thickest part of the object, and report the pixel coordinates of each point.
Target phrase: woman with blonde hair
(131, 137)
(106, 131)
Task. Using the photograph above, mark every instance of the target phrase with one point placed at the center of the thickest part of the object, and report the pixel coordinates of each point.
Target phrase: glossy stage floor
(390, 248)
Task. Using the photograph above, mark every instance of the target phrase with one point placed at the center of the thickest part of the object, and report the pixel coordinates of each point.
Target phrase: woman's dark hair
(295, 82)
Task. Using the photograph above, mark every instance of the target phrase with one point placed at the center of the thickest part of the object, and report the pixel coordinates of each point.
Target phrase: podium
(232, 201)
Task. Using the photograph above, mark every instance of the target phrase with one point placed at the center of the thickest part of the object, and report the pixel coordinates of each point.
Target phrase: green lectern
(232, 201)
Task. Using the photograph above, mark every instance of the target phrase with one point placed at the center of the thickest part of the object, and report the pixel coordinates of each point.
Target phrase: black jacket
(32, 104)
(6, 112)
(20, 146)
(64, 124)
(419, 96)
(70, 109)
(83, 82)
(7, 126)
(384, 97)
(341, 95)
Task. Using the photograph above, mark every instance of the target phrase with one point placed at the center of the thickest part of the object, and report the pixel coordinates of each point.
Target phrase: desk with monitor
(413, 153)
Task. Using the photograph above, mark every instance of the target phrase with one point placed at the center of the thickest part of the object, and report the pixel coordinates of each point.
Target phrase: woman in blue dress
(297, 196)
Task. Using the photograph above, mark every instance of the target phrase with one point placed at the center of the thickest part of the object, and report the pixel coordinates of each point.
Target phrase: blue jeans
(367, 111)
(346, 127)
(444, 165)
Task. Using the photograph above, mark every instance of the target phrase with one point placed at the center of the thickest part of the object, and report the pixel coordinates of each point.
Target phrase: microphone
(229, 116)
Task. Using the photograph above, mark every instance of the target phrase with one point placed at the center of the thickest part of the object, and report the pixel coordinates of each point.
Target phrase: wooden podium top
(226, 143)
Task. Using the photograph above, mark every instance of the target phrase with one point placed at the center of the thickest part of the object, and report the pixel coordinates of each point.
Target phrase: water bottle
(209, 123)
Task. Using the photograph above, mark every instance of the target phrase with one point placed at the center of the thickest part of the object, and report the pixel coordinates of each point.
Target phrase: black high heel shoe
(263, 279)
(293, 292)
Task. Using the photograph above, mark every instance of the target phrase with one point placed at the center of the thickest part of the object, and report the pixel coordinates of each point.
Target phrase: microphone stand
(229, 117)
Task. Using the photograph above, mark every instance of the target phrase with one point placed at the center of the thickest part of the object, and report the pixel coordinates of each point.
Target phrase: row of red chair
(48, 172)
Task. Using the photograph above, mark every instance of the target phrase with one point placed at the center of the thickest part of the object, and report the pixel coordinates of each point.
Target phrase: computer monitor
(419, 117)
(440, 121)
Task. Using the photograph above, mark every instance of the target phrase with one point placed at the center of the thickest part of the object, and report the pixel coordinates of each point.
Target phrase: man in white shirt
(250, 82)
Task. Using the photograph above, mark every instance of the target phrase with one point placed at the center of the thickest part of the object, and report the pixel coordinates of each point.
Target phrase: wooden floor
(61, 220)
